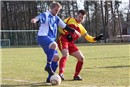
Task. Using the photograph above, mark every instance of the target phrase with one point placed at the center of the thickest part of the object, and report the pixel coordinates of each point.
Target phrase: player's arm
(34, 20)
(86, 35)
(93, 39)
(41, 17)
(66, 27)
(89, 37)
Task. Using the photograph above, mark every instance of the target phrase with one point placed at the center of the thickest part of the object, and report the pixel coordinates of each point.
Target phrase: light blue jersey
(49, 24)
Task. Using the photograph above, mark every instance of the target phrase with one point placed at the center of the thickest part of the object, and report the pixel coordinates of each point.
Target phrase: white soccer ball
(55, 79)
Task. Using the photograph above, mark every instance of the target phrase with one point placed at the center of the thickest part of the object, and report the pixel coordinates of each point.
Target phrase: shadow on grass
(72, 80)
(28, 85)
(118, 66)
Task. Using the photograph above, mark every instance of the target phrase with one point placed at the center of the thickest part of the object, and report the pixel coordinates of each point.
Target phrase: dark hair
(83, 12)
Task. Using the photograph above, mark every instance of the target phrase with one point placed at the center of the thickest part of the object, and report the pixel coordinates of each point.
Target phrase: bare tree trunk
(103, 21)
(96, 21)
(106, 19)
(120, 24)
(74, 8)
(17, 16)
(113, 20)
(88, 24)
(117, 4)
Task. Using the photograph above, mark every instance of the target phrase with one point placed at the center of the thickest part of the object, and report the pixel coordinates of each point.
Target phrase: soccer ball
(55, 79)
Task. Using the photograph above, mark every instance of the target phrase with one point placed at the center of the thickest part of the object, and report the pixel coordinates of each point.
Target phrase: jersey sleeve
(82, 29)
(42, 17)
(61, 30)
(37, 18)
(86, 35)
(61, 24)
(89, 37)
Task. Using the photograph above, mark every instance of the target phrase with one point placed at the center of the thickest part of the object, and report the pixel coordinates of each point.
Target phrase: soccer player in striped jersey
(66, 43)
(49, 22)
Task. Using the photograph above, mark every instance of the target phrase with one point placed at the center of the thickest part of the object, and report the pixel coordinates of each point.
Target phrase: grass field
(105, 65)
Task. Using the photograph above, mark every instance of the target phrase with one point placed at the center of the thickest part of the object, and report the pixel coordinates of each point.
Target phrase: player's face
(80, 17)
(55, 10)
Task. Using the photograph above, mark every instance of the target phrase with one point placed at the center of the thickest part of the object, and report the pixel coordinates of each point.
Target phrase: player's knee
(53, 45)
(56, 58)
(65, 55)
(81, 59)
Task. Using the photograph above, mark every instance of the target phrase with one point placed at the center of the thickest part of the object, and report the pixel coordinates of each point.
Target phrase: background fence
(102, 17)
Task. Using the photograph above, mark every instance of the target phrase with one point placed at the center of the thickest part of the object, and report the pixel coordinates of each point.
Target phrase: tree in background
(102, 17)
(16, 15)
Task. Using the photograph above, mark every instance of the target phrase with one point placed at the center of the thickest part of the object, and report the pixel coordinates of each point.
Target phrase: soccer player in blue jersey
(49, 22)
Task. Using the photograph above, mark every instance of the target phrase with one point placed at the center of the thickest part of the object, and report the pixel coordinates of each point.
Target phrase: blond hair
(54, 4)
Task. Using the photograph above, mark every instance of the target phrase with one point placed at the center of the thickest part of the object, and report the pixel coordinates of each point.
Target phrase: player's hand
(76, 32)
(33, 21)
(99, 37)
(69, 38)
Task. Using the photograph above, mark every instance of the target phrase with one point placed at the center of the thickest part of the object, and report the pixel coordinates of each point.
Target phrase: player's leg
(49, 46)
(50, 55)
(62, 62)
(80, 59)
(54, 65)
(63, 47)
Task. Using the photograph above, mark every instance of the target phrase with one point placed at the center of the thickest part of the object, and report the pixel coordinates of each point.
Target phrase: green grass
(104, 65)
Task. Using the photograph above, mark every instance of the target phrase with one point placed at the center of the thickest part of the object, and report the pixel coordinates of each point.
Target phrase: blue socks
(54, 66)
(50, 54)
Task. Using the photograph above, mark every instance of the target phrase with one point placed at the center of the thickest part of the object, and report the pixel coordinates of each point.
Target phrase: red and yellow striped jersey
(71, 22)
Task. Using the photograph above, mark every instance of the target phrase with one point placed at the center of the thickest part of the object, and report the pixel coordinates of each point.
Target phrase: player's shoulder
(43, 14)
(68, 19)
(57, 17)
(48, 14)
